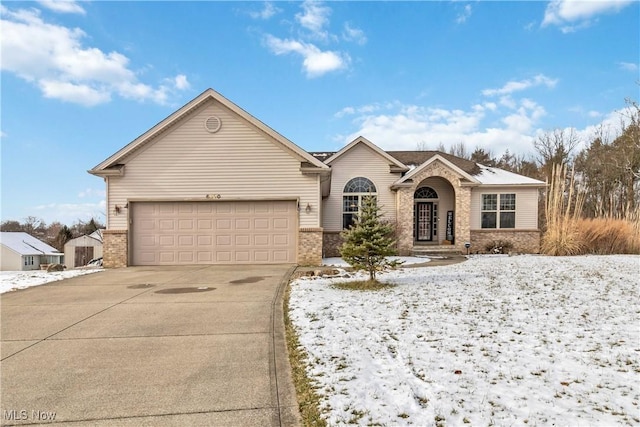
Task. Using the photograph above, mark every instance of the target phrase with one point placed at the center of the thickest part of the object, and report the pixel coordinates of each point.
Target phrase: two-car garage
(213, 232)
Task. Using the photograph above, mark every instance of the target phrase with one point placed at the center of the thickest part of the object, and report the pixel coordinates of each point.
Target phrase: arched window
(360, 185)
(354, 191)
(425, 193)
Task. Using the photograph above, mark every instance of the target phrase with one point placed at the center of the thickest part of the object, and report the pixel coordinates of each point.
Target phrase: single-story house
(212, 184)
(23, 252)
(79, 251)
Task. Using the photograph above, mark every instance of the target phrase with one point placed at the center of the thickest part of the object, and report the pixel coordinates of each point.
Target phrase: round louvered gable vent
(212, 124)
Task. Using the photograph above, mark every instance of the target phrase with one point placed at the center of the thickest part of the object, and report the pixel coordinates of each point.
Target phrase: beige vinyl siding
(526, 206)
(359, 161)
(238, 162)
(12, 261)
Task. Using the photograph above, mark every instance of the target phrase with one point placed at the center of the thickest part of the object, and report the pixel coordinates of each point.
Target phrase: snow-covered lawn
(12, 280)
(495, 340)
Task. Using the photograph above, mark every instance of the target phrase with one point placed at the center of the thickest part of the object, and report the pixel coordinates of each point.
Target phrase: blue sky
(82, 79)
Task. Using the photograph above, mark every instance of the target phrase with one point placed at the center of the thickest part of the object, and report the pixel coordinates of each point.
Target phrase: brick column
(310, 246)
(462, 226)
(404, 220)
(114, 248)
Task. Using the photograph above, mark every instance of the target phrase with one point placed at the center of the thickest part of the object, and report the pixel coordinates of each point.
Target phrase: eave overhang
(116, 170)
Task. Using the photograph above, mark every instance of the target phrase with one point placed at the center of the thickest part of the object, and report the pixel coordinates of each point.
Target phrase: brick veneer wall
(114, 248)
(310, 246)
(523, 241)
(406, 207)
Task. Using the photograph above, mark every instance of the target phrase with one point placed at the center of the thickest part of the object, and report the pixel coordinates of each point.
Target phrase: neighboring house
(212, 184)
(79, 251)
(22, 252)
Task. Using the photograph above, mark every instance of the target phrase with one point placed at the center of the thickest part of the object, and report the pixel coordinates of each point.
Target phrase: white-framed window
(353, 192)
(498, 210)
(28, 260)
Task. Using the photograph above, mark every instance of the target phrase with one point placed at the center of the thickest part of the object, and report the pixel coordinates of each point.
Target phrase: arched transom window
(360, 185)
(353, 192)
(425, 193)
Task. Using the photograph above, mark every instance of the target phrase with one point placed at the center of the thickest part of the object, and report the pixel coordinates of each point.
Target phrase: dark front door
(425, 226)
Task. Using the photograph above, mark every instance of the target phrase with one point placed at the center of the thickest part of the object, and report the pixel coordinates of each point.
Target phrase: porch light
(308, 208)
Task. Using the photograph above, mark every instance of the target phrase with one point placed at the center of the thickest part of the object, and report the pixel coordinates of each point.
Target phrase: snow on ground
(495, 340)
(12, 280)
(339, 262)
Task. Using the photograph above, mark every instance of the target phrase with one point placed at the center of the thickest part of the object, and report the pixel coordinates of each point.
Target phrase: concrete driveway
(196, 345)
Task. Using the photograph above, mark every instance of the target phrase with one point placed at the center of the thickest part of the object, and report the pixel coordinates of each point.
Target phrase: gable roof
(436, 157)
(416, 158)
(25, 244)
(362, 140)
(474, 172)
(496, 176)
(113, 166)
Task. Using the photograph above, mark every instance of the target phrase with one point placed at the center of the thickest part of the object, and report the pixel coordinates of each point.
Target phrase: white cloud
(312, 22)
(69, 213)
(523, 119)
(517, 86)
(346, 111)
(464, 15)
(75, 93)
(315, 61)
(181, 82)
(367, 109)
(3, 134)
(314, 18)
(611, 123)
(54, 59)
(63, 6)
(494, 127)
(92, 192)
(267, 12)
(565, 13)
(353, 34)
(628, 66)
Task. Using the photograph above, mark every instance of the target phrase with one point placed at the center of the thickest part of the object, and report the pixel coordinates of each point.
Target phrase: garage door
(170, 233)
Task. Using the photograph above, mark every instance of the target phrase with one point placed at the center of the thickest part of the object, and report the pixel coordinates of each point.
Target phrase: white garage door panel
(168, 233)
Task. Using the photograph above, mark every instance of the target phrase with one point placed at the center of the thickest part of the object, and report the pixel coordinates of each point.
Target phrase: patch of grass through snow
(362, 285)
(308, 399)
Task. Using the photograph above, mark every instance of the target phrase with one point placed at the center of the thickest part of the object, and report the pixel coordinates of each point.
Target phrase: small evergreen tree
(368, 242)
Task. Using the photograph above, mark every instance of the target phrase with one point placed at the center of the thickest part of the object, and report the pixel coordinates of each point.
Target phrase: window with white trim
(28, 260)
(498, 210)
(353, 192)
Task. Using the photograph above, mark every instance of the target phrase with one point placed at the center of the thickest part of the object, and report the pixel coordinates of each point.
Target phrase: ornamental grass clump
(563, 211)
(569, 234)
(605, 236)
(368, 242)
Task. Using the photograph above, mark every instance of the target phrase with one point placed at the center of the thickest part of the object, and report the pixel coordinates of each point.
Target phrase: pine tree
(368, 242)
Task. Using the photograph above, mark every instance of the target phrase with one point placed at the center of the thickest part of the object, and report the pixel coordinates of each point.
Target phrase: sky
(81, 79)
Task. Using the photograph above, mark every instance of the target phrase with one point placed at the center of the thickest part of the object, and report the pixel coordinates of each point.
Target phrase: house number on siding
(214, 196)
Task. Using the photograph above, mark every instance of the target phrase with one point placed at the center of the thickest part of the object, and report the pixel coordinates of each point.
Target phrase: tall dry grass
(563, 210)
(609, 236)
(569, 234)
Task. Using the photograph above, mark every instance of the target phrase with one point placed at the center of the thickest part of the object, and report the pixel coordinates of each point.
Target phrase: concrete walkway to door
(149, 346)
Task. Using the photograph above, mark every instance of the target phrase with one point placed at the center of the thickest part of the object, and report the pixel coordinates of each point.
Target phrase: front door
(426, 227)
